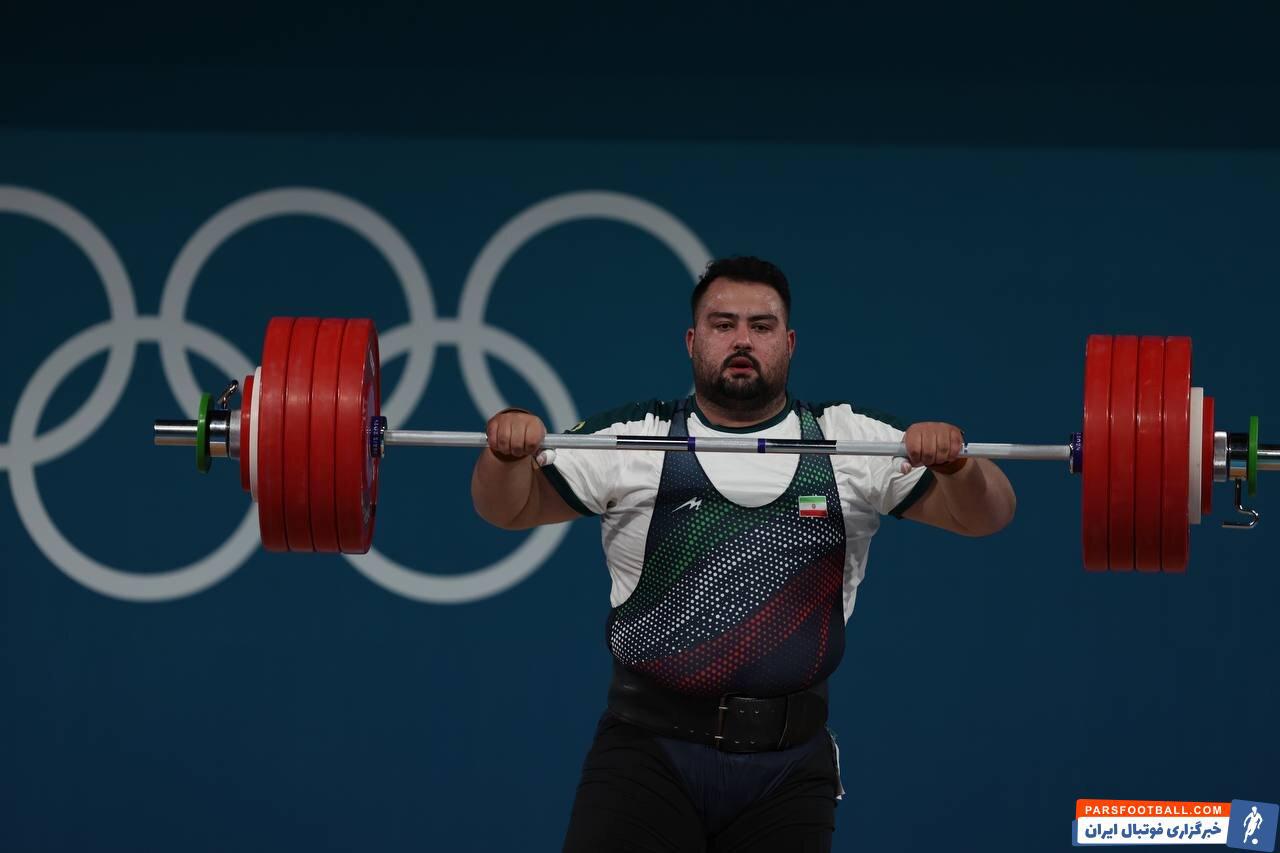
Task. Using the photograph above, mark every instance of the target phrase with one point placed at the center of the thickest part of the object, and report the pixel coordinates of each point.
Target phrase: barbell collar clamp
(222, 434)
(1235, 457)
(1250, 513)
(224, 399)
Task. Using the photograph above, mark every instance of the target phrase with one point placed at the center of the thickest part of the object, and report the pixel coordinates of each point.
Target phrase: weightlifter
(733, 577)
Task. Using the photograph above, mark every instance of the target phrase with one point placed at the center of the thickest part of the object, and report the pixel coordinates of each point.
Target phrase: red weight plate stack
(1149, 455)
(1206, 451)
(1175, 524)
(297, 434)
(1124, 400)
(355, 469)
(324, 412)
(1095, 508)
(270, 416)
(246, 429)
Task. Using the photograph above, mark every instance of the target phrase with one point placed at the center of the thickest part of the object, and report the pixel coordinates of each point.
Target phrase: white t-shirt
(620, 486)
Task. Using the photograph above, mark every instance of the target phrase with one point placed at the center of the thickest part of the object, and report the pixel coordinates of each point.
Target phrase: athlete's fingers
(518, 428)
(912, 441)
(534, 434)
(929, 447)
(504, 437)
(527, 443)
(492, 429)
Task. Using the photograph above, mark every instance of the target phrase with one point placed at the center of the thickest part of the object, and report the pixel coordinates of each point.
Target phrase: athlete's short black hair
(742, 268)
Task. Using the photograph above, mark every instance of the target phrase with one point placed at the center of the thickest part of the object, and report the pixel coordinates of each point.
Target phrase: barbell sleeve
(171, 433)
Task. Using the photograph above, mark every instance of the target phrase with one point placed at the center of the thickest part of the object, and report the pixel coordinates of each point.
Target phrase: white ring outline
(535, 549)
(170, 324)
(529, 223)
(470, 328)
(127, 586)
(321, 204)
(77, 228)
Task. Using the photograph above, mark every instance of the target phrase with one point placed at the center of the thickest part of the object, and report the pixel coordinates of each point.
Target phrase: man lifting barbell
(732, 578)
(732, 581)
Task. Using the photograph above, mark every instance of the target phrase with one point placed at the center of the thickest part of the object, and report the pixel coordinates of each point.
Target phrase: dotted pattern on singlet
(736, 599)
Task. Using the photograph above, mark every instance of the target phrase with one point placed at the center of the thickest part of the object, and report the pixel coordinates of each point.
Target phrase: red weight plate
(1148, 469)
(1206, 469)
(324, 412)
(1175, 524)
(270, 415)
(246, 429)
(1095, 510)
(355, 469)
(297, 434)
(1124, 425)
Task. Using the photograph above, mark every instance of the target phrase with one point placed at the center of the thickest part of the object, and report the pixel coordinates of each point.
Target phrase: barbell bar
(310, 439)
(667, 443)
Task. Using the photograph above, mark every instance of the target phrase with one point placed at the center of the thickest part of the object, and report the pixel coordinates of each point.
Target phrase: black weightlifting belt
(731, 723)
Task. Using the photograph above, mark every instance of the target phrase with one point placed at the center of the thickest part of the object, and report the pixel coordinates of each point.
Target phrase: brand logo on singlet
(692, 503)
(813, 506)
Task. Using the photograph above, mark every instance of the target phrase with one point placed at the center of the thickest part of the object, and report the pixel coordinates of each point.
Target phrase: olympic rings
(86, 236)
(177, 336)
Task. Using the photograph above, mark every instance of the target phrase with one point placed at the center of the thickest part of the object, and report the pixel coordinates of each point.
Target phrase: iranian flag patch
(813, 506)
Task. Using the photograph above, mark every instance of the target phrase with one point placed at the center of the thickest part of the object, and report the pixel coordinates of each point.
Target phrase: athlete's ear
(688, 342)
(791, 341)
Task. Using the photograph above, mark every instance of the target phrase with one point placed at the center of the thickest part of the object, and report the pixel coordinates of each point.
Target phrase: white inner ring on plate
(253, 427)
(1196, 462)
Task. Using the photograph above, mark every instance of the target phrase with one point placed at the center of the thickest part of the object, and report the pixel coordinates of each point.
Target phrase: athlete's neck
(739, 418)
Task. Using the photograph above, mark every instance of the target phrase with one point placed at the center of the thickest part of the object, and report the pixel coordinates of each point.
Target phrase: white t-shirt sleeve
(899, 491)
(583, 477)
(592, 481)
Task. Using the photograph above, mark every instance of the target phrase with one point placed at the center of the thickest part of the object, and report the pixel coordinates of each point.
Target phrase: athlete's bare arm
(507, 489)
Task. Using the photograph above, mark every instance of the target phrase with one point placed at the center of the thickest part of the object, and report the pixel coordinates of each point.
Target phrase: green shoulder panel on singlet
(661, 409)
(926, 479)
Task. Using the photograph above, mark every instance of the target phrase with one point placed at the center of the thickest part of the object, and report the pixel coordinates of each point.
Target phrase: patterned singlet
(736, 599)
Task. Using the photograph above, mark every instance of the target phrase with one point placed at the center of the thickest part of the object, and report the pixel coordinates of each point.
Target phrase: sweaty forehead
(740, 297)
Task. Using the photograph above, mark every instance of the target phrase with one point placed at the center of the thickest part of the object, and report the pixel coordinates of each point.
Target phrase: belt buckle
(722, 710)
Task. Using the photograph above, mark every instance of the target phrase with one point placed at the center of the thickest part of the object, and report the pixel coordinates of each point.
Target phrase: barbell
(310, 438)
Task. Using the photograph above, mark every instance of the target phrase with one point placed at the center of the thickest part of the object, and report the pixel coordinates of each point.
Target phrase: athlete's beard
(742, 395)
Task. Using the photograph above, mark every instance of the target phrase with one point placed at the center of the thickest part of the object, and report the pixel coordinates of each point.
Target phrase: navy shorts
(640, 792)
